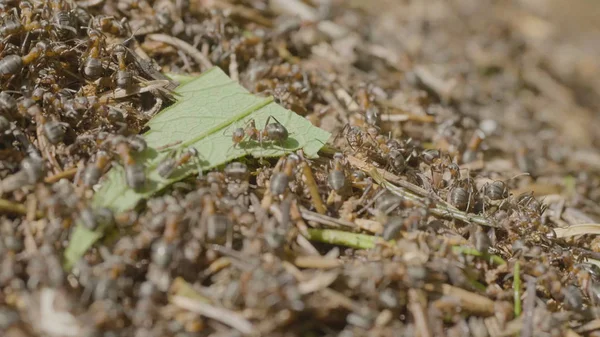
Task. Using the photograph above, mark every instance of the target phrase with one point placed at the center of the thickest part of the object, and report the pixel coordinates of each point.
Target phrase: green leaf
(209, 108)
(81, 240)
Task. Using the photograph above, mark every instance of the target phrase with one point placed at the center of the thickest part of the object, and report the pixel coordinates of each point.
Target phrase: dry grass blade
(470, 302)
(224, 316)
(326, 220)
(319, 282)
(407, 117)
(528, 309)
(366, 167)
(342, 238)
(511, 328)
(406, 190)
(316, 262)
(416, 308)
(571, 333)
(187, 48)
(590, 326)
(66, 174)
(313, 188)
(576, 230)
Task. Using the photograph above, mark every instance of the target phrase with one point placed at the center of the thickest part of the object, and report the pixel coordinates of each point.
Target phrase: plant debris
(458, 195)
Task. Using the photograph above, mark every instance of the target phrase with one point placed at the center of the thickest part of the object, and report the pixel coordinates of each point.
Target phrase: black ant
(356, 137)
(168, 166)
(274, 132)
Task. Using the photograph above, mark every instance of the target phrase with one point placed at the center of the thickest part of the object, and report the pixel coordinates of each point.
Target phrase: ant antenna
(126, 41)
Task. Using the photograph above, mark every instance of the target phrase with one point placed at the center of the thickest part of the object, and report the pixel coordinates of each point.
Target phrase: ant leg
(167, 146)
(341, 132)
(25, 43)
(198, 163)
(469, 202)
(269, 118)
(250, 122)
(350, 143)
(371, 137)
(267, 121)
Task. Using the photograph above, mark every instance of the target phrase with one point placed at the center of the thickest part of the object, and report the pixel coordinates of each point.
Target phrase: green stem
(495, 259)
(517, 288)
(477, 285)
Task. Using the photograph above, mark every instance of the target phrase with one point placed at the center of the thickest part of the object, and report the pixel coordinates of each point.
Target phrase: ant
(93, 172)
(109, 24)
(364, 99)
(54, 131)
(280, 179)
(274, 132)
(13, 64)
(92, 67)
(336, 179)
(356, 137)
(135, 174)
(170, 164)
(123, 77)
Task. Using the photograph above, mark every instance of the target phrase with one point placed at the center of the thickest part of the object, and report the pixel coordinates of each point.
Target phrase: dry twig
(187, 48)
(222, 315)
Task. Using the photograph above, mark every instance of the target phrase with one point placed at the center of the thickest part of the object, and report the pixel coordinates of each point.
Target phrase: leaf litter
(415, 219)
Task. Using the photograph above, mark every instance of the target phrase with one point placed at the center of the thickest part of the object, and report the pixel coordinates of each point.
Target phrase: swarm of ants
(399, 228)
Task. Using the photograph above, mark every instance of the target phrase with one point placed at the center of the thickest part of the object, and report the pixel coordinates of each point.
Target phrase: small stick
(364, 166)
(296, 216)
(395, 118)
(347, 239)
(7, 206)
(370, 203)
(325, 220)
(442, 209)
(321, 280)
(576, 230)
(416, 308)
(470, 302)
(187, 48)
(333, 295)
(316, 262)
(589, 326)
(313, 189)
(187, 66)
(248, 14)
(529, 306)
(69, 173)
(222, 315)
